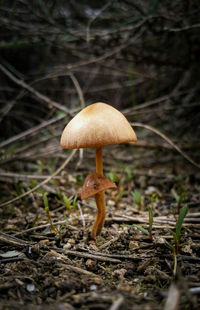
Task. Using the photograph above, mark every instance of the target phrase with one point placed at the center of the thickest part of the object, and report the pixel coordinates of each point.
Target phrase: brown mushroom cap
(95, 183)
(97, 125)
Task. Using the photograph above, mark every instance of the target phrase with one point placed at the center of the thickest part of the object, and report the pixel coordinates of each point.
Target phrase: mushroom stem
(99, 161)
(101, 207)
(99, 198)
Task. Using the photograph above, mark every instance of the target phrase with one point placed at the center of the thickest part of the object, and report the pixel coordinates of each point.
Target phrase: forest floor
(46, 265)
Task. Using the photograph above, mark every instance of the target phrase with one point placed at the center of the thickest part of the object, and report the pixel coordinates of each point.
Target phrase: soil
(57, 266)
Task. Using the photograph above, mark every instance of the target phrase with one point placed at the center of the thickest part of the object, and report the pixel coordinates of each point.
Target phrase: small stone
(30, 287)
(67, 246)
(93, 287)
(136, 280)
(160, 241)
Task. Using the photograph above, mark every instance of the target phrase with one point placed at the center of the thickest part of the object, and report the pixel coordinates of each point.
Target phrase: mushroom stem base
(101, 214)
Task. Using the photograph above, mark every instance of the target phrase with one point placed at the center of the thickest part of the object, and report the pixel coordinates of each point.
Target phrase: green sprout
(149, 231)
(112, 176)
(178, 198)
(137, 198)
(120, 192)
(67, 202)
(128, 173)
(74, 201)
(177, 235)
(46, 206)
(40, 166)
(154, 197)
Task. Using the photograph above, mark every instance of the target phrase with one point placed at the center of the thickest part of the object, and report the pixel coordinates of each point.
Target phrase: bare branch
(33, 91)
(163, 136)
(43, 182)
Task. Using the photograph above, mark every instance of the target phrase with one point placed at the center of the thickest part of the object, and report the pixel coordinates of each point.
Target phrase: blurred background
(141, 57)
(56, 57)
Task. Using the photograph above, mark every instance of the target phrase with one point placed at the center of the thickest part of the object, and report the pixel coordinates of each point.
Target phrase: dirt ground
(57, 266)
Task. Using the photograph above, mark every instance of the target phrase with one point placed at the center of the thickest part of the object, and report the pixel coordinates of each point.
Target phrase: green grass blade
(168, 245)
(45, 200)
(150, 219)
(145, 231)
(67, 202)
(136, 196)
(182, 215)
(74, 201)
(176, 196)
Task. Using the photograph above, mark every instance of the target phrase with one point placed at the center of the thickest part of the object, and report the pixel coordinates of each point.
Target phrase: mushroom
(95, 183)
(97, 125)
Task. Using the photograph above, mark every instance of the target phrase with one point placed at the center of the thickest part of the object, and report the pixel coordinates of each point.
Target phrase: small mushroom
(95, 126)
(95, 183)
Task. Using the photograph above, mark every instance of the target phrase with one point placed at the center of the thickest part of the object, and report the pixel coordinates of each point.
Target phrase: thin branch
(82, 100)
(33, 91)
(30, 131)
(163, 136)
(20, 176)
(43, 182)
(78, 89)
(183, 28)
(44, 226)
(81, 215)
(91, 256)
(95, 17)
(95, 59)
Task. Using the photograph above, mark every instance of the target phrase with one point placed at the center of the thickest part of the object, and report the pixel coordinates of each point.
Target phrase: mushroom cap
(97, 125)
(95, 183)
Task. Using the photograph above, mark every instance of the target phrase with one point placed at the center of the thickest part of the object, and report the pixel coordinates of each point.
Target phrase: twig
(182, 29)
(133, 220)
(91, 256)
(10, 105)
(81, 215)
(24, 176)
(78, 89)
(118, 256)
(96, 59)
(147, 104)
(82, 100)
(163, 136)
(13, 240)
(33, 91)
(43, 182)
(79, 270)
(31, 130)
(173, 298)
(152, 145)
(117, 303)
(44, 226)
(95, 17)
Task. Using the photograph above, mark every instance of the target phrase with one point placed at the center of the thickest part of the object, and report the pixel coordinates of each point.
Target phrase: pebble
(67, 246)
(30, 287)
(93, 287)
